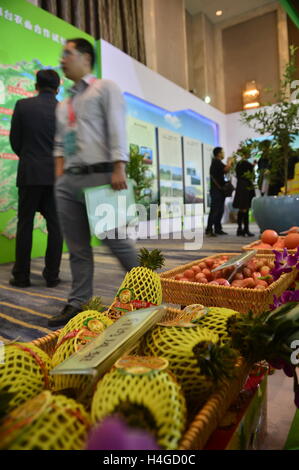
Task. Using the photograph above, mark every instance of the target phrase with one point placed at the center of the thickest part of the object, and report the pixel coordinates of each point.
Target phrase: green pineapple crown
(267, 336)
(215, 361)
(151, 259)
(95, 303)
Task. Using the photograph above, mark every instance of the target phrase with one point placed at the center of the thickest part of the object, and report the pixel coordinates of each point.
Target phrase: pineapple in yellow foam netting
(195, 357)
(79, 331)
(215, 319)
(46, 422)
(24, 372)
(141, 286)
(145, 394)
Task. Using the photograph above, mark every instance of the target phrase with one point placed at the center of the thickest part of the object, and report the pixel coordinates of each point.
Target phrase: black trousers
(34, 199)
(216, 211)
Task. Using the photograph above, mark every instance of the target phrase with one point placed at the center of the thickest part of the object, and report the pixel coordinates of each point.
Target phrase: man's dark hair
(47, 79)
(216, 151)
(85, 47)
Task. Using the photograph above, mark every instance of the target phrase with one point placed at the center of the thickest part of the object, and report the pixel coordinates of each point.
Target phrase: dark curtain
(119, 22)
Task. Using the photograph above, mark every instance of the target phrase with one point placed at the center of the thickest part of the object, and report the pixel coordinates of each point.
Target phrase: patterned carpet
(24, 312)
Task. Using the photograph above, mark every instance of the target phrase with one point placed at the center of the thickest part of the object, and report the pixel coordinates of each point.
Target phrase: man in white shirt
(90, 150)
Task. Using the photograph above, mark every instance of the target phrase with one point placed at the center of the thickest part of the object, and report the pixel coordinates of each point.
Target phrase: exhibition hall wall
(184, 129)
(174, 130)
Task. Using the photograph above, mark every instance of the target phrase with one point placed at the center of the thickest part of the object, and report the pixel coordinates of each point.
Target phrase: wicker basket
(209, 417)
(47, 343)
(252, 246)
(236, 298)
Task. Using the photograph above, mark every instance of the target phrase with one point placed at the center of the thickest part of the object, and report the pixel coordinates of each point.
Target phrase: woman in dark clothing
(244, 194)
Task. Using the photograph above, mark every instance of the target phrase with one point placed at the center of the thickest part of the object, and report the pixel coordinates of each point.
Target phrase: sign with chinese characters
(21, 21)
(102, 352)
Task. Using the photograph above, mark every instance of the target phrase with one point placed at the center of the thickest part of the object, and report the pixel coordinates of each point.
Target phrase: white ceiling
(230, 8)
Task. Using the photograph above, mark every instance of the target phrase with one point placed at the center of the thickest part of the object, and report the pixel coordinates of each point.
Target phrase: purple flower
(284, 263)
(114, 434)
(287, 296)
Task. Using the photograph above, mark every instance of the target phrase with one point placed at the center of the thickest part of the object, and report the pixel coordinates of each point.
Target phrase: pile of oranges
(270, 240)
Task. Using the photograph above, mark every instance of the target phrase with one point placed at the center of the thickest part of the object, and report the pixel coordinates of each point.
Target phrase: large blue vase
(276, 212)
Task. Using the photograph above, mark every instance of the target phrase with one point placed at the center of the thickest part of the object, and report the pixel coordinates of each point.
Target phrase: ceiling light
(208, 99)
(256, 104)
(219, 12)
(251, 96)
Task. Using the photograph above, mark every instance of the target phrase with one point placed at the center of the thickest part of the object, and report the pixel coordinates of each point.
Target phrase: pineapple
(24, 373)
(46, 422)
(143, 281)
(269, 337)
(80, 321)
(216, 319)
(77, 332)
(194, 356)
(146, 395)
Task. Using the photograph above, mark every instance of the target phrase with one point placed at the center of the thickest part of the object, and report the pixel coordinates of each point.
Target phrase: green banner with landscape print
(30, 39)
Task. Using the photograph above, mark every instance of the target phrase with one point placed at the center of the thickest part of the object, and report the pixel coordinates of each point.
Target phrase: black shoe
(248, 234)
(53, 283)
(210, 234)
(67, 313)
(221, 232)
(240, 232)
(14, 282)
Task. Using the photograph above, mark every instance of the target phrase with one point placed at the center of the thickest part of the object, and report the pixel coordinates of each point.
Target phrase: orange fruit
(269, 236)
(291, 241)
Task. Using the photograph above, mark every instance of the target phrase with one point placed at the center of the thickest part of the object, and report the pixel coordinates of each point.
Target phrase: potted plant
(281, 121)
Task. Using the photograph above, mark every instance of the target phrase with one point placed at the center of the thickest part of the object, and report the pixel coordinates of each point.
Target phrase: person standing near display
(90, 150)
(217, 172)
(32, 139)
(244, 194)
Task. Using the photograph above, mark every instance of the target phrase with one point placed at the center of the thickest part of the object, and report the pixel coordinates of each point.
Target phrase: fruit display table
(173, 375)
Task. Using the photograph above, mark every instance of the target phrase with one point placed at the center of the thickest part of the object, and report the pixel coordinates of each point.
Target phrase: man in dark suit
(217, 172)
(32, 139)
